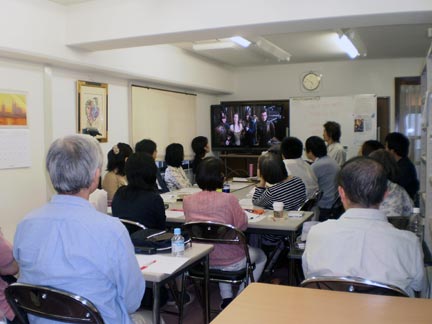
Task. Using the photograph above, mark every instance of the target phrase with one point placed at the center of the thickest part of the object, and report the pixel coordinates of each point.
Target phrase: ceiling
(380, 42)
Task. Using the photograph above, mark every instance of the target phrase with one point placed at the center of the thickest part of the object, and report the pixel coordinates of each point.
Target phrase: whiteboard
(356, 115)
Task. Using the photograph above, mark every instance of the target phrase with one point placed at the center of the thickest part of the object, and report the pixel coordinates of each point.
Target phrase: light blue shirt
(326, 170)
(68, 244)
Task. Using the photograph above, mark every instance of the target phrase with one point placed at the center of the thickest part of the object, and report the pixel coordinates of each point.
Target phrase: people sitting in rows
(116, 176)
(174, 176)
(362, 243)
(147, 146)
(221, 207)
(398, 145)
(284, 188)
(331, 135)
(67, 244)
(396, 202)
(369, 146)
(292, 150)
(326, 170)
(139, 201)
(200, 146)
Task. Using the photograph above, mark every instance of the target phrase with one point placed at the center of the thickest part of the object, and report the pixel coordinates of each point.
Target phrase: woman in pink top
(8, 266)
(221, 207)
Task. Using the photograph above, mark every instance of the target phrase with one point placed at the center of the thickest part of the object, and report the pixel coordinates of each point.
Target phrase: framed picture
(93, 109)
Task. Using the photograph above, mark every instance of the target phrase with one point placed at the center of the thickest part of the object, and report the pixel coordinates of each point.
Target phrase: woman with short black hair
(175, 177)
(221, 207)
(285, 188)
(139, 201)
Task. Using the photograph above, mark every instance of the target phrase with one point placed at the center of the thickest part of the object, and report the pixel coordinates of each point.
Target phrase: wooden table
(196, 253)
(264, 303)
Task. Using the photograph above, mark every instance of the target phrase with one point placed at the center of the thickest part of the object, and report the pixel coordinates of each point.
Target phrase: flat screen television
(248, 126)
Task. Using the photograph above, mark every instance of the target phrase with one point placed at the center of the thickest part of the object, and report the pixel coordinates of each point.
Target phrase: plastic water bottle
(416, 224)
(177, 243)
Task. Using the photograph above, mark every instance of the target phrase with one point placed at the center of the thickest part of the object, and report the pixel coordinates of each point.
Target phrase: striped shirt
(291, 192)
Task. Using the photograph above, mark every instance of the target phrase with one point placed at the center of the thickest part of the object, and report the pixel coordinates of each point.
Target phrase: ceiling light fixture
(351, 44)
(243, 42)
(269, 48)
(213, 45)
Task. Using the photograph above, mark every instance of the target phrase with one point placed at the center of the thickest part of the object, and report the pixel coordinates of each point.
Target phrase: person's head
(271, 167)
(397, 143)
(117, 157)
(200, 145)
(316, 146)
(291, 148)
(223, 118)
(236, 118)
(274, 149)
(146, 146)
(209, 175)
(388, 162)
(174, 155)
(74, 163)
(264, 115)
(332, 132)
(141, 171)
(362, 183)
(369, 146)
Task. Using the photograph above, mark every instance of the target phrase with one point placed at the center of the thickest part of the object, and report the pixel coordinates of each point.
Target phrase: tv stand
(237, 164)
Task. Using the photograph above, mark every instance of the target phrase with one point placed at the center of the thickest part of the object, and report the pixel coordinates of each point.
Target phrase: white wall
(23, 189)
(339, 79)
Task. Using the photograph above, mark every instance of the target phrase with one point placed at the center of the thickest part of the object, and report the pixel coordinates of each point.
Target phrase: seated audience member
(116, 177)
(285, 188)
(396, 202)
(200, 146)
(331, 135)
(362, 243)
(221, 207)
(149, 147)
(175, 177)
(369, 146)
(398, 145)
(8, 267)
(326, 170)
(69, 245)
(292, 150)
(139, 201)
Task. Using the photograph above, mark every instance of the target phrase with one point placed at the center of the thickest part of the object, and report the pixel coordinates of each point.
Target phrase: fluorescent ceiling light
(351, 44)
(273, 50)
(348, 47)
(213, 45)
(243, 42)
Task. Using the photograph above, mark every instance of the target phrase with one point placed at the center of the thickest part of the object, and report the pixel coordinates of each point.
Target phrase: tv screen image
(242, 126)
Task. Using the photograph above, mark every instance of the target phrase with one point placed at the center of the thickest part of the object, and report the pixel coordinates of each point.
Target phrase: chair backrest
(353, 284)
(218, 233)
(400, 222)
(132, 226)
(311, 202)
(50, 303)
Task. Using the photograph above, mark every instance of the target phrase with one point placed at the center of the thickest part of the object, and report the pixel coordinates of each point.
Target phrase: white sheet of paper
(254, 218)
(246, 202)
(238, 185)
(174, 213)
(164, 263)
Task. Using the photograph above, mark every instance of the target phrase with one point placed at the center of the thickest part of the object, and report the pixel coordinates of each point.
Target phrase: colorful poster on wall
(13, 109)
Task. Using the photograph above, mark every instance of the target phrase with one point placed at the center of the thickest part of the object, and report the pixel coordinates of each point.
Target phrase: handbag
(157, 241)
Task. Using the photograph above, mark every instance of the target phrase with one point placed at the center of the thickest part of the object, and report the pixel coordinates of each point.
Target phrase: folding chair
(353, 284)
(50, 303)
(217, 233)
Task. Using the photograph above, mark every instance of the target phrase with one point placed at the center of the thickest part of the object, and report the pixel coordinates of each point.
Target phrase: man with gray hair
(362, 243)
(69, 245)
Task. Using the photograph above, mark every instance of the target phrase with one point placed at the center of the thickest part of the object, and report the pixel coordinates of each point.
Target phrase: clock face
(311, 81)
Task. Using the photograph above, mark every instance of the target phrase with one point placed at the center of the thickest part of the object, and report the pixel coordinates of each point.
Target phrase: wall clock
(311, 81)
